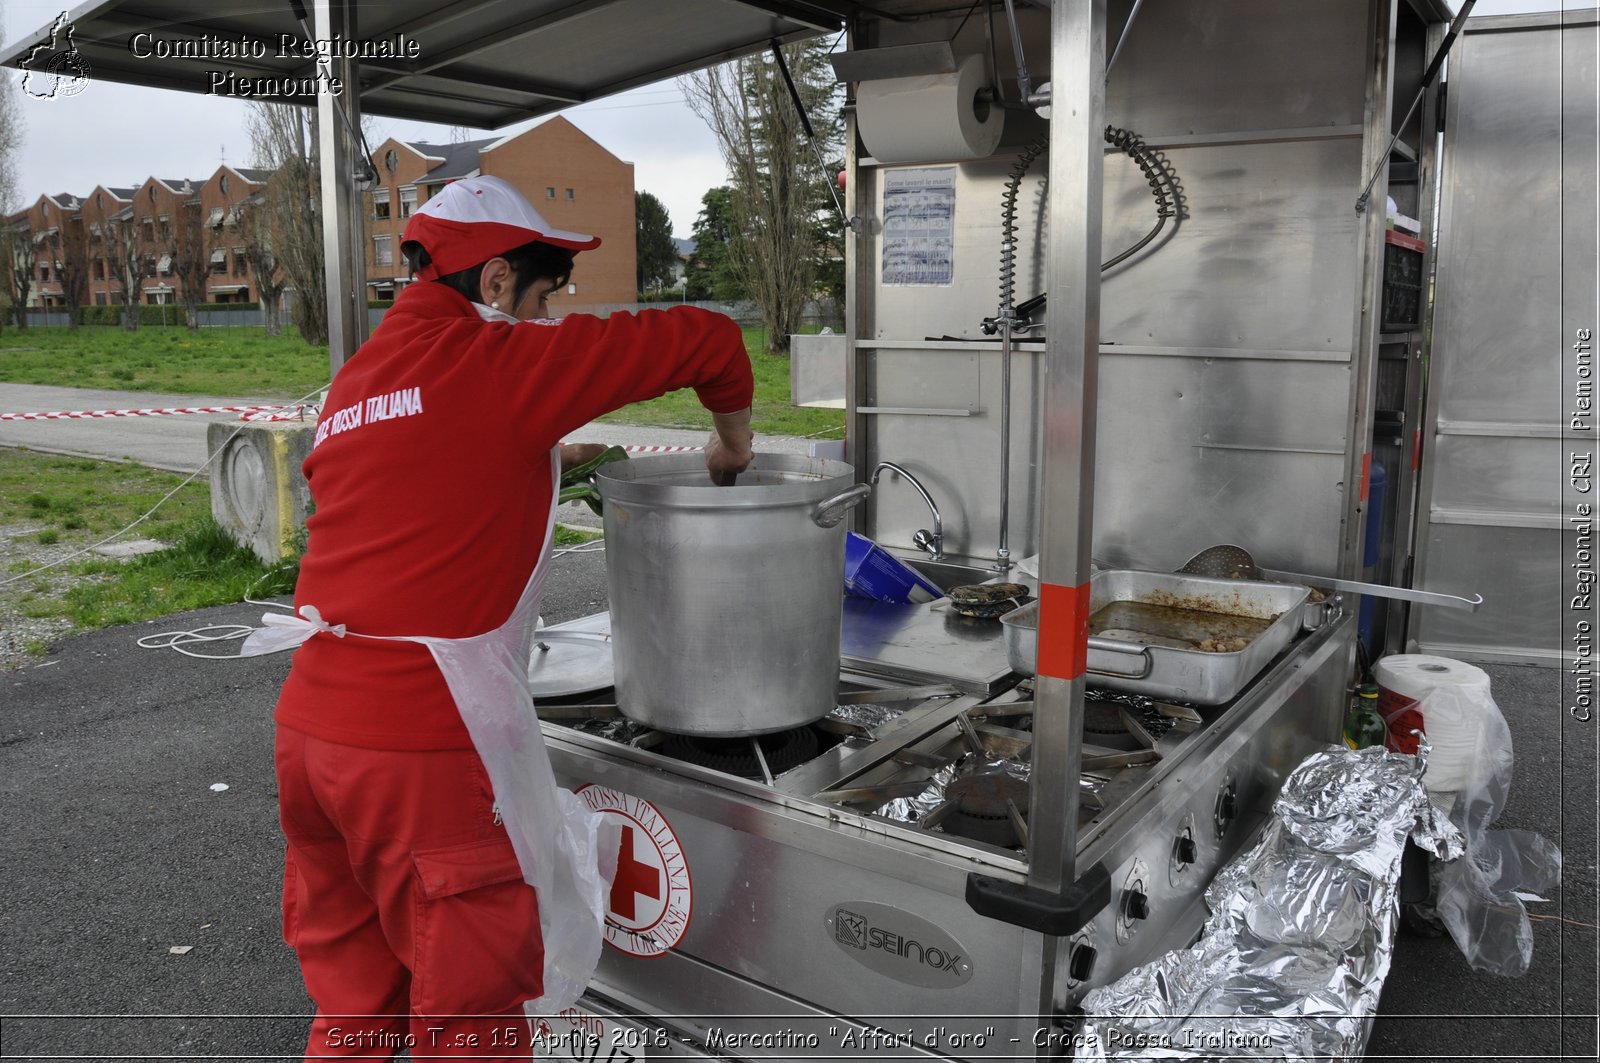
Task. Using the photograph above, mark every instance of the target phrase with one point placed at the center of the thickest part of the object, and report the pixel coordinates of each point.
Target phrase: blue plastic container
(870, 571)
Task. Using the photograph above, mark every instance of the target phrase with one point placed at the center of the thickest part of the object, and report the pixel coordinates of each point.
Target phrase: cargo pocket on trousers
(478, 949)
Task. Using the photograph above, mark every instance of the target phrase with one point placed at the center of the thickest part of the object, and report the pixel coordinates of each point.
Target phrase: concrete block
(258, 492)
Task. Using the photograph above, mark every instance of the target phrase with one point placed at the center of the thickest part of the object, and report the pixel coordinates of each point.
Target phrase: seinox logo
(900, 945)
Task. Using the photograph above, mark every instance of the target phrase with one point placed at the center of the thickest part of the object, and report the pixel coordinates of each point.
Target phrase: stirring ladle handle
(1378, 590)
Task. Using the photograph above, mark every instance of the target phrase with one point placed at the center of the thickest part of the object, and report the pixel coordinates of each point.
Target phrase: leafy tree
(779, 191)
(710, 273)
(657, 254)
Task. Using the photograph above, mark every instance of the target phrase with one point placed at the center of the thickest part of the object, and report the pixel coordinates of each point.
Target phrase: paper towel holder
(894, 61)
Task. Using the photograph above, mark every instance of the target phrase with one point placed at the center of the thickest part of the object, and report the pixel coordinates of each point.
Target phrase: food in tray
(1174, 627)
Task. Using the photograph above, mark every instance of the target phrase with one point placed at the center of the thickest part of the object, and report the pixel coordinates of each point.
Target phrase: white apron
(567, 853)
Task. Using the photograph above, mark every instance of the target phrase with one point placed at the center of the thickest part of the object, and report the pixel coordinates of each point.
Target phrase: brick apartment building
(68, 228)
(568, 177)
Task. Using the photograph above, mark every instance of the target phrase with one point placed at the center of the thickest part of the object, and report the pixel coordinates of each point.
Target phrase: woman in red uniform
(434, 475)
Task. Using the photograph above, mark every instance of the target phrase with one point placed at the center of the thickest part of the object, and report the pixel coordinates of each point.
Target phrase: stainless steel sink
(954, 573)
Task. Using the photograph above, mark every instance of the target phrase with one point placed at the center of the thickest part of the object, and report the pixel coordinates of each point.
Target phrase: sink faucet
(932, 544)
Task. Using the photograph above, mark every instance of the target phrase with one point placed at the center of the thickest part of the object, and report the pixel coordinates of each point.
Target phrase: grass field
(245, 362)
(51, 507)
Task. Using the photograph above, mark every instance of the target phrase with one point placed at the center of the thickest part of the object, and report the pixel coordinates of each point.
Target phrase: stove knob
(1136, 904)
(1081, 965)
(1187, 852)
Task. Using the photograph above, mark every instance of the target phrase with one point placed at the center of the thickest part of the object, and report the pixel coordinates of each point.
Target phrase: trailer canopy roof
(479, 63)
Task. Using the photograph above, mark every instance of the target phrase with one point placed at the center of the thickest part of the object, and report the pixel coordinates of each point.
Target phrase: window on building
(569, 195)
(390, 160)
(550, 193)
(380, 205)
(149, 228)
(44, 273)
(408, 201)
(164, 267)
(241, 262)
(222, 183)
(382, 251)
(99, 269)
(215, 218)
(99, 298)
(219, 261)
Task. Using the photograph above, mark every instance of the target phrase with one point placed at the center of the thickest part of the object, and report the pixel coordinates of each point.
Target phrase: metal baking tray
(1168, 672)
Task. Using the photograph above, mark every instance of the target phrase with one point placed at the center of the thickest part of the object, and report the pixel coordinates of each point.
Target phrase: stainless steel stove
(823, 887)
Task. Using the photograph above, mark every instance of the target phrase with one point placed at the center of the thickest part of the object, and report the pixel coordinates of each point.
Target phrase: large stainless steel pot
(726, 601)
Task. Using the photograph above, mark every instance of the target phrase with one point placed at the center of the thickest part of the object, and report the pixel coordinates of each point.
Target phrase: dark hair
(528, 262)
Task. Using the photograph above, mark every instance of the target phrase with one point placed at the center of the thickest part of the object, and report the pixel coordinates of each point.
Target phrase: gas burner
(979, 808)
(1103, 725)
(736, 756)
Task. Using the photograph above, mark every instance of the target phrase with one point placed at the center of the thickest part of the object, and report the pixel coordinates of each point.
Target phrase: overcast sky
(118, 135)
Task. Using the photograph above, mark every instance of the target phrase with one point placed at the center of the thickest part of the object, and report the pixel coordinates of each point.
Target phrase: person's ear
(496, 283)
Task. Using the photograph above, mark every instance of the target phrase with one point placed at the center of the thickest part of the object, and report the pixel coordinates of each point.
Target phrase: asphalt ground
(120, 851)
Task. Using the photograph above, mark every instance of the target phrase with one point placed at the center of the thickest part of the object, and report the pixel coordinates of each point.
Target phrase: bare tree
(188, 240)
(256, 233)
(11, 244)
(21, 258)
(778, 191)
(283, 139)
(128, 262)
(69, 246)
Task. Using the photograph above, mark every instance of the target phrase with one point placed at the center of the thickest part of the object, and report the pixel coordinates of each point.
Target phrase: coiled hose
(1163, 187)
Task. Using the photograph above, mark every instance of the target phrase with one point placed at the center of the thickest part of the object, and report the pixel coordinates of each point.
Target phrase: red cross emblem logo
(652, 896)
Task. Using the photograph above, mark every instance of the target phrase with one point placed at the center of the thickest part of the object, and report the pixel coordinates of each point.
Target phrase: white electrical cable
(177, 640)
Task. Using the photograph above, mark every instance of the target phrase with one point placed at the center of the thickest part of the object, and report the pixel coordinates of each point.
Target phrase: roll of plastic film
(930, 118)
(1445, 699)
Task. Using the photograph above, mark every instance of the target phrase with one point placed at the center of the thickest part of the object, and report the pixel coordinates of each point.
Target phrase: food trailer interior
(1245, 376)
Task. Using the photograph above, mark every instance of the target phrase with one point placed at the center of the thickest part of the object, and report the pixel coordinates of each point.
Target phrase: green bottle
(1362, 725)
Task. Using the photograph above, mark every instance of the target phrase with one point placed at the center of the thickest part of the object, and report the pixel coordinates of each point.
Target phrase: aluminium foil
(1293, 958)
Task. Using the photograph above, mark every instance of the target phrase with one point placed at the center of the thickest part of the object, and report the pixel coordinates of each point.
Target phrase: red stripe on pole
(1063, 630)
(1416, 450)
(1366, 474)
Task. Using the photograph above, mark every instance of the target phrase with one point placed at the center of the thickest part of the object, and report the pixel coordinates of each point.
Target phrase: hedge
(158, 314)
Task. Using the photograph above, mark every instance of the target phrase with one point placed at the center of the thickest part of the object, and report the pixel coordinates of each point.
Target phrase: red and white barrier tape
(663, 450)
(251, 412)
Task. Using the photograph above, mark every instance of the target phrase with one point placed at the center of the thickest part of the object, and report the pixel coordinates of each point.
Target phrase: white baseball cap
(474, 219)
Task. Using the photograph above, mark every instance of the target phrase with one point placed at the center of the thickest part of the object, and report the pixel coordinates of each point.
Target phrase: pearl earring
(495, 305)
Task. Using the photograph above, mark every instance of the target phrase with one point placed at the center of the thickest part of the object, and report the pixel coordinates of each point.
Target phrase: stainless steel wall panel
(1267, 257)
(1195, 452)
(1519, 573)
(1209, 67)
(918, 312)
(1498, 475)
(1517, 274)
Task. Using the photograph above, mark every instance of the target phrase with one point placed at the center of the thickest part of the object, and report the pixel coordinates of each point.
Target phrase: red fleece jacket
(431, 478)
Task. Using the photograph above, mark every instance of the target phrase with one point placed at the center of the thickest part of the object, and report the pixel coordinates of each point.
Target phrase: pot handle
(1113, 646)
(831, 511)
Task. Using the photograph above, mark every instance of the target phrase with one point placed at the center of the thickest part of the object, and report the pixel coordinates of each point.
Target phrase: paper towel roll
(933, 118)
(1447, 699)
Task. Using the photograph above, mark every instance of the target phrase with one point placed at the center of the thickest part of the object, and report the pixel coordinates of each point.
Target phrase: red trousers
(405, 904)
